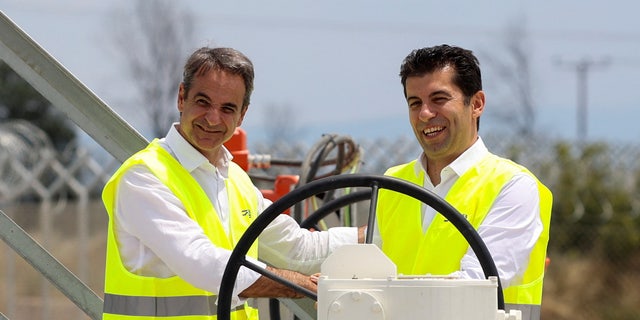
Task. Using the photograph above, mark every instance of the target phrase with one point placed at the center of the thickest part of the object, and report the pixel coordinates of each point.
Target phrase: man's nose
(426, 112)
(213, 115)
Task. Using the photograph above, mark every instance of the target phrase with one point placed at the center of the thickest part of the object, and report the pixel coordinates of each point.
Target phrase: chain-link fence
(595, 229)
(594, 247)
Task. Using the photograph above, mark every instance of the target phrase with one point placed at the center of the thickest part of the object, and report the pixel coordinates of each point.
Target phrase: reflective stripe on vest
(161, 306)
(169, 295)
(529, 311)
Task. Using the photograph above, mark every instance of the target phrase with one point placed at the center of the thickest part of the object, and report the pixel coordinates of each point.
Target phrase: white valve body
(360, 282)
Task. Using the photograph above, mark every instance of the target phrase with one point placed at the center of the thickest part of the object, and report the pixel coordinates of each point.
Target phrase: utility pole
(582, 68)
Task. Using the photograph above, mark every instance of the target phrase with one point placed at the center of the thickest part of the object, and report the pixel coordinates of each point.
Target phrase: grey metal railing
(92, 115)
(66, 92)
(49, 267)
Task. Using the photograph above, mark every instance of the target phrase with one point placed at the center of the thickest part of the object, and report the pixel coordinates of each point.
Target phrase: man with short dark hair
(506, 203)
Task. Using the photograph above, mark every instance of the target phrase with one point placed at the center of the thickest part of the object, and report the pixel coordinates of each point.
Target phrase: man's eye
(440, 100)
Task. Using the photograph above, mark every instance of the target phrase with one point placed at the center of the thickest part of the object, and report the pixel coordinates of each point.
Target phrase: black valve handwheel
(374, 183)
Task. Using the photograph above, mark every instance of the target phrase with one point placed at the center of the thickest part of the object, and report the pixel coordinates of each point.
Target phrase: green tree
(18, 100)
(594, 208)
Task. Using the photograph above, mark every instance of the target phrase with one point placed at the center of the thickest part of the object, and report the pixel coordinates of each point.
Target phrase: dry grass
(579, 287)
(576, 287)
(24, 288)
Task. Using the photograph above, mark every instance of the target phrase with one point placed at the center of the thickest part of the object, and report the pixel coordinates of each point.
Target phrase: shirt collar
(190, 158)
(461, 164)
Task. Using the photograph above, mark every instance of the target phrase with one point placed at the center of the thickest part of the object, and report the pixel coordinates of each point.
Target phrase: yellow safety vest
(130, 296)
(440, 250)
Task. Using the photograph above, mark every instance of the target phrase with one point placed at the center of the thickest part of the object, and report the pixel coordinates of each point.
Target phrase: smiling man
(504, 202)
(178, 207)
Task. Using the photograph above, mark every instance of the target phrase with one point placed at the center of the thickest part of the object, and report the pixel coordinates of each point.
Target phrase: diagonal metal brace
(49, 267)
(66, 92)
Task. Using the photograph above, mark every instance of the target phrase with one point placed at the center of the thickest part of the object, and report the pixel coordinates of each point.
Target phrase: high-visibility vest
(130, 296)
(440, 250)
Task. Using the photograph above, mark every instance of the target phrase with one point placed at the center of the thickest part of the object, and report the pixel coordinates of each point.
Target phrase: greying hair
(226, 59)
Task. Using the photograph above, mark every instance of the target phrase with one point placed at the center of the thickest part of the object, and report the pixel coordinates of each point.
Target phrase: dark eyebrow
(444, 92)
(201, 94)
(412, 98)
(227, 104)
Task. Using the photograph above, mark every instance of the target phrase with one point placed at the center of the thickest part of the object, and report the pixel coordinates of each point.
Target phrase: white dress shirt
(157, 238)
(510, 229)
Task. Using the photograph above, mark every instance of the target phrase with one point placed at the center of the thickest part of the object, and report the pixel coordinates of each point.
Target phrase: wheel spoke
(371, 222)
(332, 183)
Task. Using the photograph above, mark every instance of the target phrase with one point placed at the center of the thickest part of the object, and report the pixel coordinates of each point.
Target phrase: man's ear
(477, 103)
(242, 113)
(181, 97)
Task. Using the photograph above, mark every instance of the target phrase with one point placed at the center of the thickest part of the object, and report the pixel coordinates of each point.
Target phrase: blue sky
(335, 63)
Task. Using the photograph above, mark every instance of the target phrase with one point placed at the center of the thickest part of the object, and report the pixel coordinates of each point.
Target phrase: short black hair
(427, 60)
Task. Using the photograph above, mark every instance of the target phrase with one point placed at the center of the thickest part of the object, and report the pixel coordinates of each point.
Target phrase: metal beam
(303, 309)
(66, 92)
(49, 267)
(91, 114)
